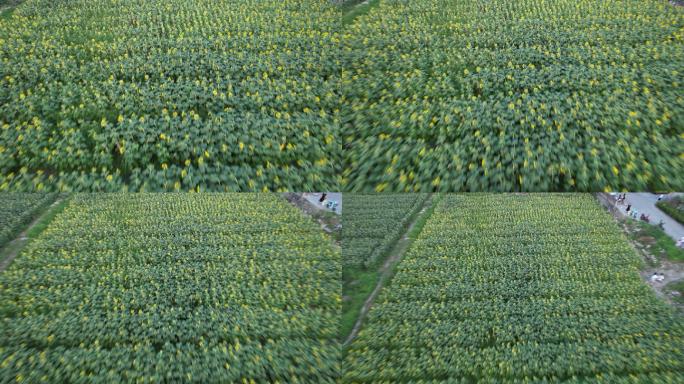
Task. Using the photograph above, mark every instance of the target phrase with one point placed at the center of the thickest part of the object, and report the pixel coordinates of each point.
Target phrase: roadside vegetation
(653, 240)
(674, 207)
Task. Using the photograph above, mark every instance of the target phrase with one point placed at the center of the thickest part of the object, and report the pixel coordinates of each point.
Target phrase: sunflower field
(155, 95)
(151, 288)
(372, 223)
(18, 209)
(519, 289)
(546, 95)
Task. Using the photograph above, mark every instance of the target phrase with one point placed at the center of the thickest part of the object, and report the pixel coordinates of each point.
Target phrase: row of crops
(17, 210)
(161, 95)
(373, 223)
(151, 288)
(518, 288)
(514, 95)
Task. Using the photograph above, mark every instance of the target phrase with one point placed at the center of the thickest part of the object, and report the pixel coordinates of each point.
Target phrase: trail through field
(13, 247)
(387, 267)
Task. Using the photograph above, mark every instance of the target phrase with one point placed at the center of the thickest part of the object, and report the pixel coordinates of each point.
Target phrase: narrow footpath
(12, 249)
(387, 269)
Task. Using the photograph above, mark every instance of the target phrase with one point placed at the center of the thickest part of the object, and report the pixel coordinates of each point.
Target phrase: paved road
(645, 203)
(334, 196)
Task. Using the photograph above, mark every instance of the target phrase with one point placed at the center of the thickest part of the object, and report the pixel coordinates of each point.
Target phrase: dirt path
(672, 271)
(12, 248)
(387, 268)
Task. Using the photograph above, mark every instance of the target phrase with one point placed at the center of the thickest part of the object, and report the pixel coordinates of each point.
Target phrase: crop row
(164, 95)
(173, 288)
(514, 95)
(518, 288)
(17, 210)
(373, 223)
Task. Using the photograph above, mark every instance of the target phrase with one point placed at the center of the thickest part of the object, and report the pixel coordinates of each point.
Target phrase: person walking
(322, 199)
(629, 206)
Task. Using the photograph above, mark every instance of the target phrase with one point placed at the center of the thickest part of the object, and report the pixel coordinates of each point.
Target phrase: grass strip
(353, 9)
(658, 243)
(670, 208)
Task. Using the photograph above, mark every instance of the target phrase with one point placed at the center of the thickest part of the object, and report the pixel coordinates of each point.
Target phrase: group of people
(621, 199)
(330, 204)
(631, 212)
(657, 277)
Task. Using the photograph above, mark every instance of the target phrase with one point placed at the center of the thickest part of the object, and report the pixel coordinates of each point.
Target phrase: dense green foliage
(373, 223)
(233, 288)
(17, 210)
(673, 207)
(519, 288)
(162, 95)
(543, 95)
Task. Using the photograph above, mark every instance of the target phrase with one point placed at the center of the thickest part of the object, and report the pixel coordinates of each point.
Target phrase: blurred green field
(524, 95)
